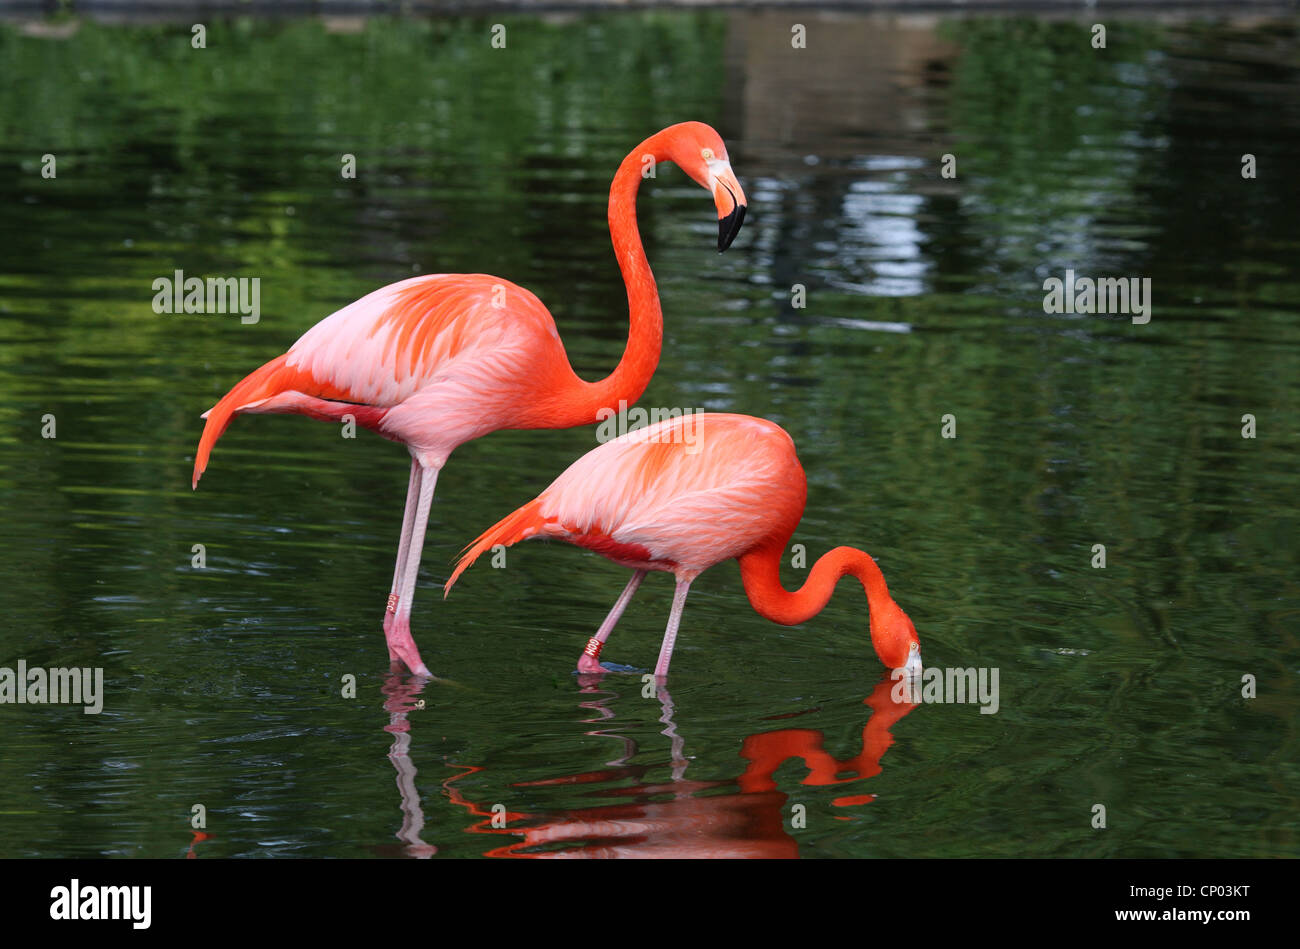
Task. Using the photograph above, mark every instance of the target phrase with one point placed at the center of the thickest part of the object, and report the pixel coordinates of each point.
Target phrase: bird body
(678, 496)
(432, 362)
(685, 494)
(435, 361)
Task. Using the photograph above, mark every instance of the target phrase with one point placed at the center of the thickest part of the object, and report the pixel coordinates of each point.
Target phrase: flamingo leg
(403, 547)
(401, 646)
(589, 660)
(670, 634)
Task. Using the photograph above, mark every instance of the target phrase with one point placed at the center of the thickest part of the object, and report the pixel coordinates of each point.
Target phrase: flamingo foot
(402, 651)
(588, 666)
(589, 661)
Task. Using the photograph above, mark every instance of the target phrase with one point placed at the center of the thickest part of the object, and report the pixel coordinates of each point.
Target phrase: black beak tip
(729, 227)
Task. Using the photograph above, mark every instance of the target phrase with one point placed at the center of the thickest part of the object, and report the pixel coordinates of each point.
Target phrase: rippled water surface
(1119, 686)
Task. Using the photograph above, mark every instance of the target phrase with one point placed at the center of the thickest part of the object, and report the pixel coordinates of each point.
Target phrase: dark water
(1120, 686)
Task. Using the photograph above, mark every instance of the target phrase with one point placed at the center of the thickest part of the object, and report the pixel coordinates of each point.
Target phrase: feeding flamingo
(687, 493)
(436, 361)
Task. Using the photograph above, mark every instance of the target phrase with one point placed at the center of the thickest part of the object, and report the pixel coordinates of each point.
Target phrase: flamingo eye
(707, 154)
(914, 647)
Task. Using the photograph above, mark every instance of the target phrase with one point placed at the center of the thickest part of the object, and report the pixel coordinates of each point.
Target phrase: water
(1119, 686)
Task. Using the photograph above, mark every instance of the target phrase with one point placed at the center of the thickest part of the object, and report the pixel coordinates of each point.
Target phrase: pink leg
(403, 547)
(670, 634)
(589, 660)
(400, 644)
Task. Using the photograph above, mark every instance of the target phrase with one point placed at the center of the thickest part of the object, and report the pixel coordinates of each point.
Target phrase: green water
(1119, 686)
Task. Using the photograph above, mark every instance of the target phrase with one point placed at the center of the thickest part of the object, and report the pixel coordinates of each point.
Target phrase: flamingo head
(698, 150)
(895, 639)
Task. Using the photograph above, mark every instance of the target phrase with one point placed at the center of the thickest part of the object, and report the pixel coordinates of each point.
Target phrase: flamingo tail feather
(522, 524)
(257, 386)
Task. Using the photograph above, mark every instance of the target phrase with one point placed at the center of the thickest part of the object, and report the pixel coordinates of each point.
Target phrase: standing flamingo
(436, 361)
(685, 494)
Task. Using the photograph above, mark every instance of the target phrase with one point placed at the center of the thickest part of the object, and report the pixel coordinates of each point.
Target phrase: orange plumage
(685, 494)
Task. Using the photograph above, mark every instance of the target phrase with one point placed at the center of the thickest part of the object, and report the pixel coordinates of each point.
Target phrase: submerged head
(698, 150)
(894, 637)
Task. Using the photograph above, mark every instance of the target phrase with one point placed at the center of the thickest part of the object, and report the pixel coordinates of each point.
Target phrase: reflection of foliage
(264, 109)
(1042, 87)
(1050, 134)
(404, 80)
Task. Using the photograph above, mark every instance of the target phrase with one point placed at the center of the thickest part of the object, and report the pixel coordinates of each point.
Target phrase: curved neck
(645, 331)
(760, 571)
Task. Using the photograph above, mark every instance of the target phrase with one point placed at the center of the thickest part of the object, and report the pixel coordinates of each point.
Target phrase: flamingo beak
(730, 199)
(913, 664)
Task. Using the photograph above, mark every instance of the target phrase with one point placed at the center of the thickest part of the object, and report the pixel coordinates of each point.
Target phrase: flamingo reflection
(401, 698)
(198, 838)
(767, 751)
(681, 817)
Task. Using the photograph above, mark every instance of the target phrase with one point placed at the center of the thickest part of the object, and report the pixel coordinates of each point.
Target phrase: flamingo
(438, 360)
(687, 493)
